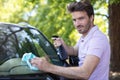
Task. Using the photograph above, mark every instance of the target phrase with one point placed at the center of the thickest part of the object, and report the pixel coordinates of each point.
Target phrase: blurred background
(52, 18)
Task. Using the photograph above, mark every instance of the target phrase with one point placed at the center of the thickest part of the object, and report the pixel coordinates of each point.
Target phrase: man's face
(82, 22)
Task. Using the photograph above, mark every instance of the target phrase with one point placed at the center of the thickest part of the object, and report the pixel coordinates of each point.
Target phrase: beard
(84, 28)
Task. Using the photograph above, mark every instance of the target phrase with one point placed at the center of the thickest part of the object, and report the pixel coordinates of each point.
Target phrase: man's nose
(77, 23)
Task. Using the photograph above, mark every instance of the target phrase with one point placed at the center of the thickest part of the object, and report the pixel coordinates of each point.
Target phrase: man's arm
(71, 50)
(82, 72)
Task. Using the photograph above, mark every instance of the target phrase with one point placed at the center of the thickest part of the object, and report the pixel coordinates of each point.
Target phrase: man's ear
(92, 18)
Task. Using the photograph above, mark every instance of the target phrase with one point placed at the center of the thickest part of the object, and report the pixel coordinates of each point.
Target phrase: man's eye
(81, 18)
(74, 19)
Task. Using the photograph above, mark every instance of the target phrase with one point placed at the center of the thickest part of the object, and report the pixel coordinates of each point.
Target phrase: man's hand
(57, 41)
(41, 63)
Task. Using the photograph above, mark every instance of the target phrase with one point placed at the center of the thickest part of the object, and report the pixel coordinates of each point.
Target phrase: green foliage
(54, 19)
(49, 16)
(114, 1)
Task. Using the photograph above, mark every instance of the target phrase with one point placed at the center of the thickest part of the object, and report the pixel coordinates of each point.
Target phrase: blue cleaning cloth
(26, 58)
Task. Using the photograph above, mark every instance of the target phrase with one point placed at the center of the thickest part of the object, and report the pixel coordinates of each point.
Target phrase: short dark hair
(81, 6)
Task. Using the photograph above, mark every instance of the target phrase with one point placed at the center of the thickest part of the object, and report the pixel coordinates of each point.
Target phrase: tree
(114, 34)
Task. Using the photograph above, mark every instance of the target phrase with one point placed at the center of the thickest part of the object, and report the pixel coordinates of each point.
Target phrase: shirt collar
(90, 33)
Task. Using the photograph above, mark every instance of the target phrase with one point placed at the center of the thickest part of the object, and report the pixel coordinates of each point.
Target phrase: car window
(15, 40)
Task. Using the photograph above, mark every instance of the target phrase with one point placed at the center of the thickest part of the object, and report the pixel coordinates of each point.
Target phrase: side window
(7, 42)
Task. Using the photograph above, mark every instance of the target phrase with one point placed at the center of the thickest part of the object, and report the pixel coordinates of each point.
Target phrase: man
(93, 48)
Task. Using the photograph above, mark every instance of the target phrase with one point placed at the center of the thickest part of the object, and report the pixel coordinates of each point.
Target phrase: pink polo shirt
(95, 43)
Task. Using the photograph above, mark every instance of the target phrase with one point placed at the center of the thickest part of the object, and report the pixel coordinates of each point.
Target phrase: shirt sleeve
(96, 47)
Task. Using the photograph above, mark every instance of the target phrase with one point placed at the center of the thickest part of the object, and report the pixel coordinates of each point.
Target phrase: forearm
(69, 72)
(70, 50)
(82, 72)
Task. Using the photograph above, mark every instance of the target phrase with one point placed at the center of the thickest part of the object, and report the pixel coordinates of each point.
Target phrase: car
(18, 39)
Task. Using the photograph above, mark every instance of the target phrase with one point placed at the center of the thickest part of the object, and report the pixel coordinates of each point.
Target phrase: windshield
(16, 40)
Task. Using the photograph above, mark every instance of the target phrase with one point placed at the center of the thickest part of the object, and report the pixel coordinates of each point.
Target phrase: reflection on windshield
(16, 40)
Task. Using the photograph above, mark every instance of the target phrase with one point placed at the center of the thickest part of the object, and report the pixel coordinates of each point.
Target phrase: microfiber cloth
(26, 58)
